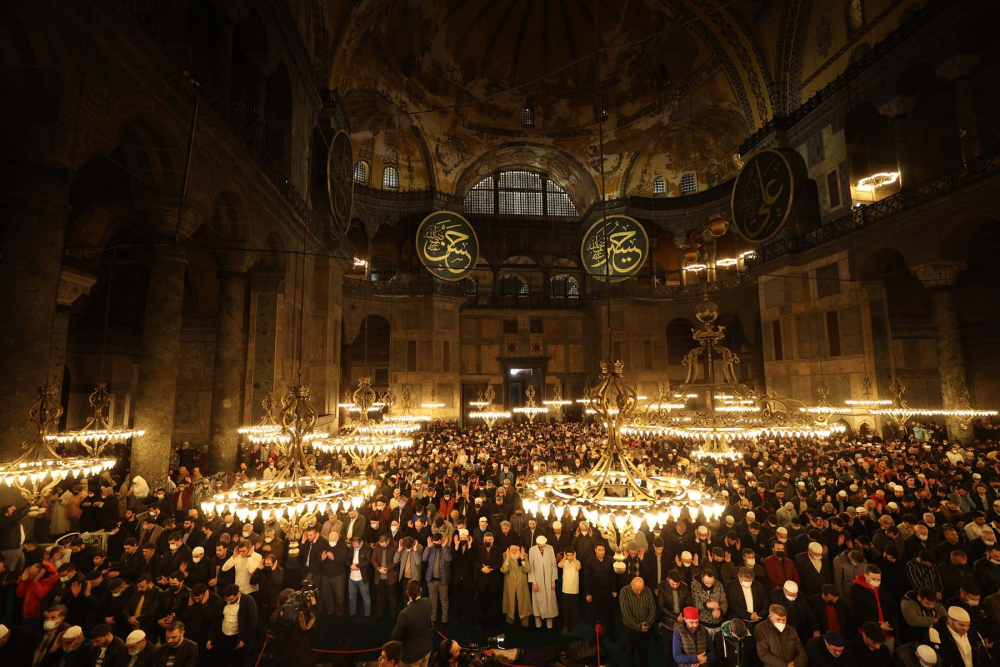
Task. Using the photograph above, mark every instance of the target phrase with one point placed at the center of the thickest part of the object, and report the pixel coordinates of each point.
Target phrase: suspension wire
(601, 107)
(107, 312)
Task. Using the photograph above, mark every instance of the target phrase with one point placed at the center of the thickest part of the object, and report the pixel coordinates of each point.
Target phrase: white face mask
(750, 562)
(874, 584)
(745, 584)
(175, 547)
(196, 559)
(687, 564)
(247, 533)
(269, 539)
(922, 538)
(65, 579)
(134, 652)
(780, 627)
(51, 625)
(116, 595)
(791, 598)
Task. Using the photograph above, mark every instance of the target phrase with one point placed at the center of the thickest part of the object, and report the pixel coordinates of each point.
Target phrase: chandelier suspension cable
(601, 108)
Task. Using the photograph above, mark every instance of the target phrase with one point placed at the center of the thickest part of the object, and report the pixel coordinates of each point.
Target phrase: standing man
(359, 557)
(385, 571)
(638, 615)
(542, 578)
(599, 577)
(777, 644)
(413, 628)
(245, 562)
(334, 566)
(691, 644)
(489, 580)
(437, 571)
(232, 635)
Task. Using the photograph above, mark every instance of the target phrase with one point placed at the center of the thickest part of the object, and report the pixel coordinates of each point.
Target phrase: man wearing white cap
(814, 570)
(140, 651)
(955, 644)
(69, 650)
(542, 578)
(16, 645)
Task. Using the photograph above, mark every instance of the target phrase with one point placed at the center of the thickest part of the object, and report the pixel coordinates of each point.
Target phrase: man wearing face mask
(69, 650)
(777, 644)
(68, 592)
(870, 602)
(777, 566)
(52, 628)
(746, 597)
(271, 544)
(113, 614)
(140, 651)
(245, 562)
(200, 570)
(987, 571)
(796, 610)
(489, 581)
(143, 609)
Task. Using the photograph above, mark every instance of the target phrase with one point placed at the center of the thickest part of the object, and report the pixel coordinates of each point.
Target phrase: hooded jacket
(34, 591)
(730, 651)
(872, 604)
(916, 619)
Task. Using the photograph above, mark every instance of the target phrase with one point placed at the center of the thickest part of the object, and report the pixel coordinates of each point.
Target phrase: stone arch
(101, 201)
(153, 157)
(562, 167)
(226, 220)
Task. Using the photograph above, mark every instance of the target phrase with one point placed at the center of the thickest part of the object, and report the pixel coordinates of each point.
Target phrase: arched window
(519, 192)
(470, 287)
(361, 172)
(659, 186)
(565, 287)
(512, 284)
(390, 179)
(855, 16)
(527, 117)
(687, 184)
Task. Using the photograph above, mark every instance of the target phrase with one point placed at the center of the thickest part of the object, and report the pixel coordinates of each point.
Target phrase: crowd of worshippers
(845, 552)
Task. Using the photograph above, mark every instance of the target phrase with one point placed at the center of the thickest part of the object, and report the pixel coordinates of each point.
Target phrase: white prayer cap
(73, 632)
(686, 555)
(789, 506)
(791, 586)
(751, 516)
(926, 654)
(861, 510)
(842, 493)
(702, 530)
(959, 614)
(541, 539)
(462, 532)
(198, 551)
(135, 637)
(3, 631)
(816, 547)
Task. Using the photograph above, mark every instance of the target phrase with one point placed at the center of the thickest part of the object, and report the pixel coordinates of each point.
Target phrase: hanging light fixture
(901, 412)
(367, 439)
(97, 432)
(488, 412)
(529, 409)
(267, 430)
(557, 402)
(405, 416)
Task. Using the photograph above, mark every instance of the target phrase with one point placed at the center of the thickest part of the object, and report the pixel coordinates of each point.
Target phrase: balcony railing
(864, 216)
(244, 122)
(359, 287)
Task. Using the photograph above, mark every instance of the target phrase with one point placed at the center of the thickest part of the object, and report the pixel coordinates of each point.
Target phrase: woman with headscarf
(138, 493)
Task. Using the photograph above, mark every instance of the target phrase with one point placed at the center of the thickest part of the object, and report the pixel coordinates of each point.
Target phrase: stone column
(230, 363)
(35, 200)
(161, 343)
(898, 109)
(957, 70)
(72, 285)
(939, 277)
(264, 323)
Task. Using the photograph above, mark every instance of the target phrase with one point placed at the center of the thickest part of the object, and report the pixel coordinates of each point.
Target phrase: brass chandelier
(405, 416)
(529, 409)
(367, 439)
(488, 412)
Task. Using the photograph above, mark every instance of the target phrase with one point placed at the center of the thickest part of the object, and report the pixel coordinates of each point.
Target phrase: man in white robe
(543, 577)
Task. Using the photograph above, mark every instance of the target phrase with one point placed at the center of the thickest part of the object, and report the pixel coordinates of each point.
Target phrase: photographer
(449, 654)
(292, 642)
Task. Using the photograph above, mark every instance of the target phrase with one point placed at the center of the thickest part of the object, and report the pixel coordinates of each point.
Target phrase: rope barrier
(262, 649)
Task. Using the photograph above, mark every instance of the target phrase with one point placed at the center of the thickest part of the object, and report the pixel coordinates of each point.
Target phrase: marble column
(230, 364)
(35, 199)
(161, 343)
(72, 285)
(939, 277)
(264, 322)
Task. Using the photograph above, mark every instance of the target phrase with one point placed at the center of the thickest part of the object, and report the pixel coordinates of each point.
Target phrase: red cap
(691, 612)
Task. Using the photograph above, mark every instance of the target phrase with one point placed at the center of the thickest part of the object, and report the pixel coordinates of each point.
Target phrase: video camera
(299, 601)
(475, 655)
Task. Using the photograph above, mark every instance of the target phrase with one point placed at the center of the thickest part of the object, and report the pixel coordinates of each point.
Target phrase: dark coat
(19, 648)
(820, 656)
(865, 606)
(818, 619)
(811, 582)
(492, 581)
(738, 604)
(246, 619)
(413, 629)
(392, 575)
(186, 655)
(116, 655)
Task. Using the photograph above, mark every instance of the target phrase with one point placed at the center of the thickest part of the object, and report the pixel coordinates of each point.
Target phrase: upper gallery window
(519, 192)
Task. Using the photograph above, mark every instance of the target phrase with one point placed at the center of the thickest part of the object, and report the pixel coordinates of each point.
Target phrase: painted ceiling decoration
(433, 86)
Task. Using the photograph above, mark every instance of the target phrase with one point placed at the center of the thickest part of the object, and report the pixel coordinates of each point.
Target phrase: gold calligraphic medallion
(447, 245)
(762, 196)
(621, 254)
(340, 179)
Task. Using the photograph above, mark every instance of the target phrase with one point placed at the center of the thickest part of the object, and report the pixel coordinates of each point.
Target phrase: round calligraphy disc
(621, 254)
(340, 179)
(447, 245)
(762, 196)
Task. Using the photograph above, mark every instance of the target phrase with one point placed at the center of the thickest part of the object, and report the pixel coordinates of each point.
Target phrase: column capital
(898, 105)
(159, 218)
(266, 281)
(73, 284)
(235, 258)
(939, 273)
(958, 66)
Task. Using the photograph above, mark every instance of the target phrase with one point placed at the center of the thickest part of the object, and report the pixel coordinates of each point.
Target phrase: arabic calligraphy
(762, 196)
(447, 245)
(618, 256)
(340, 179)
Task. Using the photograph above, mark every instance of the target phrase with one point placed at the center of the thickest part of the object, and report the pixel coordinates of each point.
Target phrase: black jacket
(246, 619)
(413, 629)
(820, 656)
(20, 646)
(199, 618)
(811, 582)
(599, 575)
(818, 619)
(738, 604)
(186, 655)
(492, 581)
(10, 529)
(115, 655)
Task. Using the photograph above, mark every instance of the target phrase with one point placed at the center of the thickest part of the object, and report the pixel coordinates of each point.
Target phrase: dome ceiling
(684, 82)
